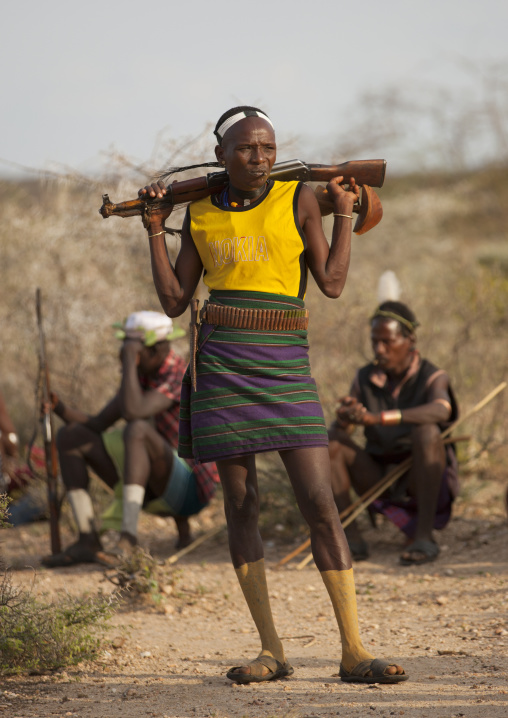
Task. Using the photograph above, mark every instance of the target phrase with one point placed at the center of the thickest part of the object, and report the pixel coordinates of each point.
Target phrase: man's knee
(426, 438)
(73, 436)
(137, 430)
(336, 449)
(243, 507)
(319, 508)
(337, 434)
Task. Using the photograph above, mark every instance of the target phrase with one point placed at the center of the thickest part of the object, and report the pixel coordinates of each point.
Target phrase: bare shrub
(139, 573)
(37, 636)
(4, 515)
(426, 127)
(92, 273)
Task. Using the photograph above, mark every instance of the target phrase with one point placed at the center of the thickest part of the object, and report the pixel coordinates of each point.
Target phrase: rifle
(367, 174)
(48, 436)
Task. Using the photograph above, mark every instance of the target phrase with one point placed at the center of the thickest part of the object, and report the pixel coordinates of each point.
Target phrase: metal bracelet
(393, 417)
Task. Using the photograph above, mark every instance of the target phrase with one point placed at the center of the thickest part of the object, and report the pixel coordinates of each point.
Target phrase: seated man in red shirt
(142, 458)
(403, 402)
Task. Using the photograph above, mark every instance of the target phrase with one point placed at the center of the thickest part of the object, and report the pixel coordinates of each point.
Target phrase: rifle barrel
(369, 172)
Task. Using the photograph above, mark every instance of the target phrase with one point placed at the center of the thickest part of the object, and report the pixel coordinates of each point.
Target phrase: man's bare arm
(175, 285)
(436, 410)
(106, 417)
(136, 403)
(328, 264)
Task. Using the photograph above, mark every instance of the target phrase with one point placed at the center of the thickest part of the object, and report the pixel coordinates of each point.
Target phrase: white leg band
(133, 496)
(82, 508)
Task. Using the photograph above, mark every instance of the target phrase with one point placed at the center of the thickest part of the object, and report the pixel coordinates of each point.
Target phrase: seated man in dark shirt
(403, 402)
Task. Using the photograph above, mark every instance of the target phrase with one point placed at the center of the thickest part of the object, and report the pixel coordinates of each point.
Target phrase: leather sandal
(428, 550)
(276, 670)
(358, 674)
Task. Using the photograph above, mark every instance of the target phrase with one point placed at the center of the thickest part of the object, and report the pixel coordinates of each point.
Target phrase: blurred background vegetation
(443, 233)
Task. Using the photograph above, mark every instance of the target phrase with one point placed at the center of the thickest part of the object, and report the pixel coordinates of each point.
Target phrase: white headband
(236, 118)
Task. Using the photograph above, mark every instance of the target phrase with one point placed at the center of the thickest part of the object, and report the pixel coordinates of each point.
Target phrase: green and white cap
(149, 327)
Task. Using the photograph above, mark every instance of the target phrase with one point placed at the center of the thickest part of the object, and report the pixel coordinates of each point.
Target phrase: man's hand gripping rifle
(367, 174)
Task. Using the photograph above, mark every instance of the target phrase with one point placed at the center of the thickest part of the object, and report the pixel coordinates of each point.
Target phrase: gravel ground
(445, 622)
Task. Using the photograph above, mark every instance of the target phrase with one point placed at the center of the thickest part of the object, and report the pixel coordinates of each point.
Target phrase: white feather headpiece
(388, 287)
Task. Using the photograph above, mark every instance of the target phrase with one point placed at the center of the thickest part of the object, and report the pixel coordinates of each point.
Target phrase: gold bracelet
(349, 216)
(393, 417)
(156, 235)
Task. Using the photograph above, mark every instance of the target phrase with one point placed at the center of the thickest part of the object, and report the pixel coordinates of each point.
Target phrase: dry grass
(443, 237)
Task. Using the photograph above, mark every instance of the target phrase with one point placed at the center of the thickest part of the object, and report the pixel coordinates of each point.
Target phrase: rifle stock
(367, 174)
(370, 210)
(48, 436)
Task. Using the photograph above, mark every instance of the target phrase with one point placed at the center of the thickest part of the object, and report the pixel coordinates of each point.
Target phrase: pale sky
(81, 77)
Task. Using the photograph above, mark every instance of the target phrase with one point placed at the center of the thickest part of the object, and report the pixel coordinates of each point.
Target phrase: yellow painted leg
(341, 589)
(252, 580)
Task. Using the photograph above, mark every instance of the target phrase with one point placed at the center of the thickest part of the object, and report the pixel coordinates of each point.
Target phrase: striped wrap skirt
(254, 388)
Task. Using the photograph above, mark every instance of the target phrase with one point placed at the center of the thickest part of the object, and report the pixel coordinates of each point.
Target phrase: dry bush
(91, 274)
(38, 636)
(435, 235)
(425, 126)
(459, 301)
(4, 511)
(138, 573)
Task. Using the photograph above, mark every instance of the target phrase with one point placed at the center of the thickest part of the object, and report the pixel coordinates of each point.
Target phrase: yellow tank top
(258, 248)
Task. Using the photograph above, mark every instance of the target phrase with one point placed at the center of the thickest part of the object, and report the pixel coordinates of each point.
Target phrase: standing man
(255, 243)
(403, 402)
(142, 455)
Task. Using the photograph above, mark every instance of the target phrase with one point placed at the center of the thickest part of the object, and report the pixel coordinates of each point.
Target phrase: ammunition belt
(268, 319)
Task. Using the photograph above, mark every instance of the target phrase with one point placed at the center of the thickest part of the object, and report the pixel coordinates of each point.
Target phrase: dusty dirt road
(446, 622)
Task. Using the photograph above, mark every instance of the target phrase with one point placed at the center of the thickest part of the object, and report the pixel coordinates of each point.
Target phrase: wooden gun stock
(370, 209)
(367, 174)
(48, 436)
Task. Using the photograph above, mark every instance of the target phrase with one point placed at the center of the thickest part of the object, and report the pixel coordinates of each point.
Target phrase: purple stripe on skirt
(307, 427)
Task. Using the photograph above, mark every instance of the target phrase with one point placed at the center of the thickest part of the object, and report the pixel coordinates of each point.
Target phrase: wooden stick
(370, 491)
(106, 488)
(382, 485)
(305, 561)
(499, 388)
(295, 552)
(196, 543)
(397, 472)
(386, 481)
